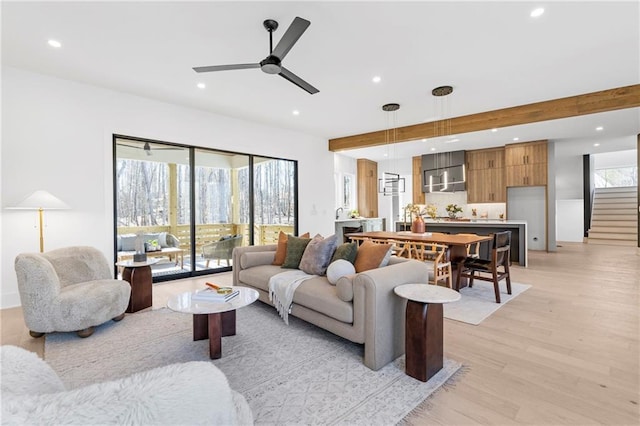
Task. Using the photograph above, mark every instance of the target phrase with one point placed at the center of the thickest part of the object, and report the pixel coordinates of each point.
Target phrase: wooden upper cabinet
(485, 176)
(367, 187)
(519, 154)
(485, 159)
(526, 164)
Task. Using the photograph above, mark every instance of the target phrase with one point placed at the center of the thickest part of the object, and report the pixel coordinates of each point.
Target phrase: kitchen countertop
(357, 218)
(477, 221)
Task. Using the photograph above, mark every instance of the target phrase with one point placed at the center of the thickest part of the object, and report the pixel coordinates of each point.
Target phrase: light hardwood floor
(564, 352)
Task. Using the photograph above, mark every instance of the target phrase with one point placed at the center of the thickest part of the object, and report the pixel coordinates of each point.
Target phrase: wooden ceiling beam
(573, 106)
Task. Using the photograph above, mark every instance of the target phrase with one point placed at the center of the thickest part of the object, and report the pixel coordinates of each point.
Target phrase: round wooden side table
(423, 327)
(138, 274)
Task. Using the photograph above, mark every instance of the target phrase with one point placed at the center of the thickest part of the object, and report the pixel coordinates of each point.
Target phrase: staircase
(614, 217)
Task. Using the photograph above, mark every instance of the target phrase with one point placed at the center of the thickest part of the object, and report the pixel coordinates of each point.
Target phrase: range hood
(443, 172)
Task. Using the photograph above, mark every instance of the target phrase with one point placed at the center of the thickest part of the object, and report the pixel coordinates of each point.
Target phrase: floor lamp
(41, 201)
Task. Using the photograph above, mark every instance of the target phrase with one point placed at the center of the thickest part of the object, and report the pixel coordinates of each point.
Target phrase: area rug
(295, 374)
(479, 302)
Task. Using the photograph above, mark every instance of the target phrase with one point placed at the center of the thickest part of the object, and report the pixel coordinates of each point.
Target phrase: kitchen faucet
(338, 210)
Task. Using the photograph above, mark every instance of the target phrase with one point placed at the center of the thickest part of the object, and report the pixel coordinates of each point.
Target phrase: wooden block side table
(424, 327)
(139, 276)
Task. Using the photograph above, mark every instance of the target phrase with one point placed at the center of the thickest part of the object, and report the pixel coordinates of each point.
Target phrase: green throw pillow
(295, 250)
(346, 251)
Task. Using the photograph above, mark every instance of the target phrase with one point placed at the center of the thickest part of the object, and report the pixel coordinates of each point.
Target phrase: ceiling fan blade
(297, 81)
(293, 33)
(226, 67)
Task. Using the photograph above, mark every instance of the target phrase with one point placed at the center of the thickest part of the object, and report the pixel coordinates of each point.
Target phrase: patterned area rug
(296, 374)
(479, 302)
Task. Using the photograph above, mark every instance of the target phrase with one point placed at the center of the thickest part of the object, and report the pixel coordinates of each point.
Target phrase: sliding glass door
(190, 207)
(219, 206)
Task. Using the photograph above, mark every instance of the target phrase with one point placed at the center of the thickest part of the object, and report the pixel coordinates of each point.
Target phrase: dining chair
(436, 256)
(473, 250)
(494, 269)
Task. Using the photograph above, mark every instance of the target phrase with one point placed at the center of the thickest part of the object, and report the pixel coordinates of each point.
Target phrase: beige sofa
(361, 308)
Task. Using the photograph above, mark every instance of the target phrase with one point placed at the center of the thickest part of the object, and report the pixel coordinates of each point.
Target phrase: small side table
(139, 276)
(423, 327)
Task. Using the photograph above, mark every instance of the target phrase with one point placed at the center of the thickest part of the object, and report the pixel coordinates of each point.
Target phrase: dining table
(457, 243)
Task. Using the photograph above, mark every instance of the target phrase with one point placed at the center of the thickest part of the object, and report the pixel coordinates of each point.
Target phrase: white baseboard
(10, 300)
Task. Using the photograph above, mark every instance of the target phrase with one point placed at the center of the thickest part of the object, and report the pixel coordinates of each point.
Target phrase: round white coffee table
(213, 320)
(423, 327)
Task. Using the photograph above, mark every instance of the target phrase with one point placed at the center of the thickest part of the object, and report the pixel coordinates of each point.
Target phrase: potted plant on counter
(453, 210)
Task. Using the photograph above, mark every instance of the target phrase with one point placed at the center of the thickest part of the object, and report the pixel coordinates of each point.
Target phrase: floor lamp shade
(41, 200)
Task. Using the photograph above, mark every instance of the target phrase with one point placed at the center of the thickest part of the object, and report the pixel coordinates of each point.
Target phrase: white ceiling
(493, 54)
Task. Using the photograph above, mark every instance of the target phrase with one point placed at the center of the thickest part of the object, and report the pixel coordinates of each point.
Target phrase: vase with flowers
(453, 210)
(417, 223)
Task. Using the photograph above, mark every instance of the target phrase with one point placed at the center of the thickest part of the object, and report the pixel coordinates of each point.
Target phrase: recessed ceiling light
(376, 79)
(424, 140)
(54, 43)
(296, 112)
(516, 139)
(596, 144)
(599, 128)
(385, 155)
(494, 130)
(537, 12)
(433, 148)
(201, 85)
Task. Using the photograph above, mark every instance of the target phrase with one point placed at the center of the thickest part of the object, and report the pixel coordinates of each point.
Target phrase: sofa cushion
(339, 269)
(344, 287)
(320, 296)
(281, 250)
(372, 255)
(295, 249)
(251, 259)
(346, 251)
(128, 242)
(317, 255)
(258, 276)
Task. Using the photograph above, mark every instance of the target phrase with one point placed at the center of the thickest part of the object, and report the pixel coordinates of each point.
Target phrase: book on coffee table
(211, 295)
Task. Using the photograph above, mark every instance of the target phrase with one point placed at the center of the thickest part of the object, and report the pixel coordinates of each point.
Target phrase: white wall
(57, 136)
(610, 160)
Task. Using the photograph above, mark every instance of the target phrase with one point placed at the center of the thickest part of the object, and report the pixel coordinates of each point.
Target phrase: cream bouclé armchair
(69, 289)
(190, 393)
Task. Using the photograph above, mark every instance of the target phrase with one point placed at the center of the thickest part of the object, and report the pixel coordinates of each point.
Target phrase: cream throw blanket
(281, 289)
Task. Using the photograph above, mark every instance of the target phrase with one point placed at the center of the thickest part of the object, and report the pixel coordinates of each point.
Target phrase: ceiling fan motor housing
(271, 65)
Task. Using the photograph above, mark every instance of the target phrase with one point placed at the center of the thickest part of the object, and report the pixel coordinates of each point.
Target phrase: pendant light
(391, 183)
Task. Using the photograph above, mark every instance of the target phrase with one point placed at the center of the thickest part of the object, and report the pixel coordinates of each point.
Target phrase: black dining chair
(493, 270)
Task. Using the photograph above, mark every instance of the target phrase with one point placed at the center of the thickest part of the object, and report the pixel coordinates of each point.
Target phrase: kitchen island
(358, 224)
(518, 230)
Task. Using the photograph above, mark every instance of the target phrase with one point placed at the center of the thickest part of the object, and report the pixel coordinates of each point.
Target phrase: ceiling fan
(147, 147)
(272, 64)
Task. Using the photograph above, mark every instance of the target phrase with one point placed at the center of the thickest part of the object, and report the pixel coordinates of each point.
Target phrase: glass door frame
(192, 201)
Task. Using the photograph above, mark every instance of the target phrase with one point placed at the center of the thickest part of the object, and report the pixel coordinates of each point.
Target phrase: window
(198, 204)
(616, 177)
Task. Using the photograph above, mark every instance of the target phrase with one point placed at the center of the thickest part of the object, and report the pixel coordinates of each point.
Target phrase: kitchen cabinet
(485, 176)
(486, 186)
(367, 187)
(485, 159)
(526, 164)
(418, 195)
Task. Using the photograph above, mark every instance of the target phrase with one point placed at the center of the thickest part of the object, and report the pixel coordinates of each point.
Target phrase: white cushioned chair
(191, 393)
(69, 289)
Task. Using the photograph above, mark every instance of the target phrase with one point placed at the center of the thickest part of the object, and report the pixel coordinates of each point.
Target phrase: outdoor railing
(263, 234)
